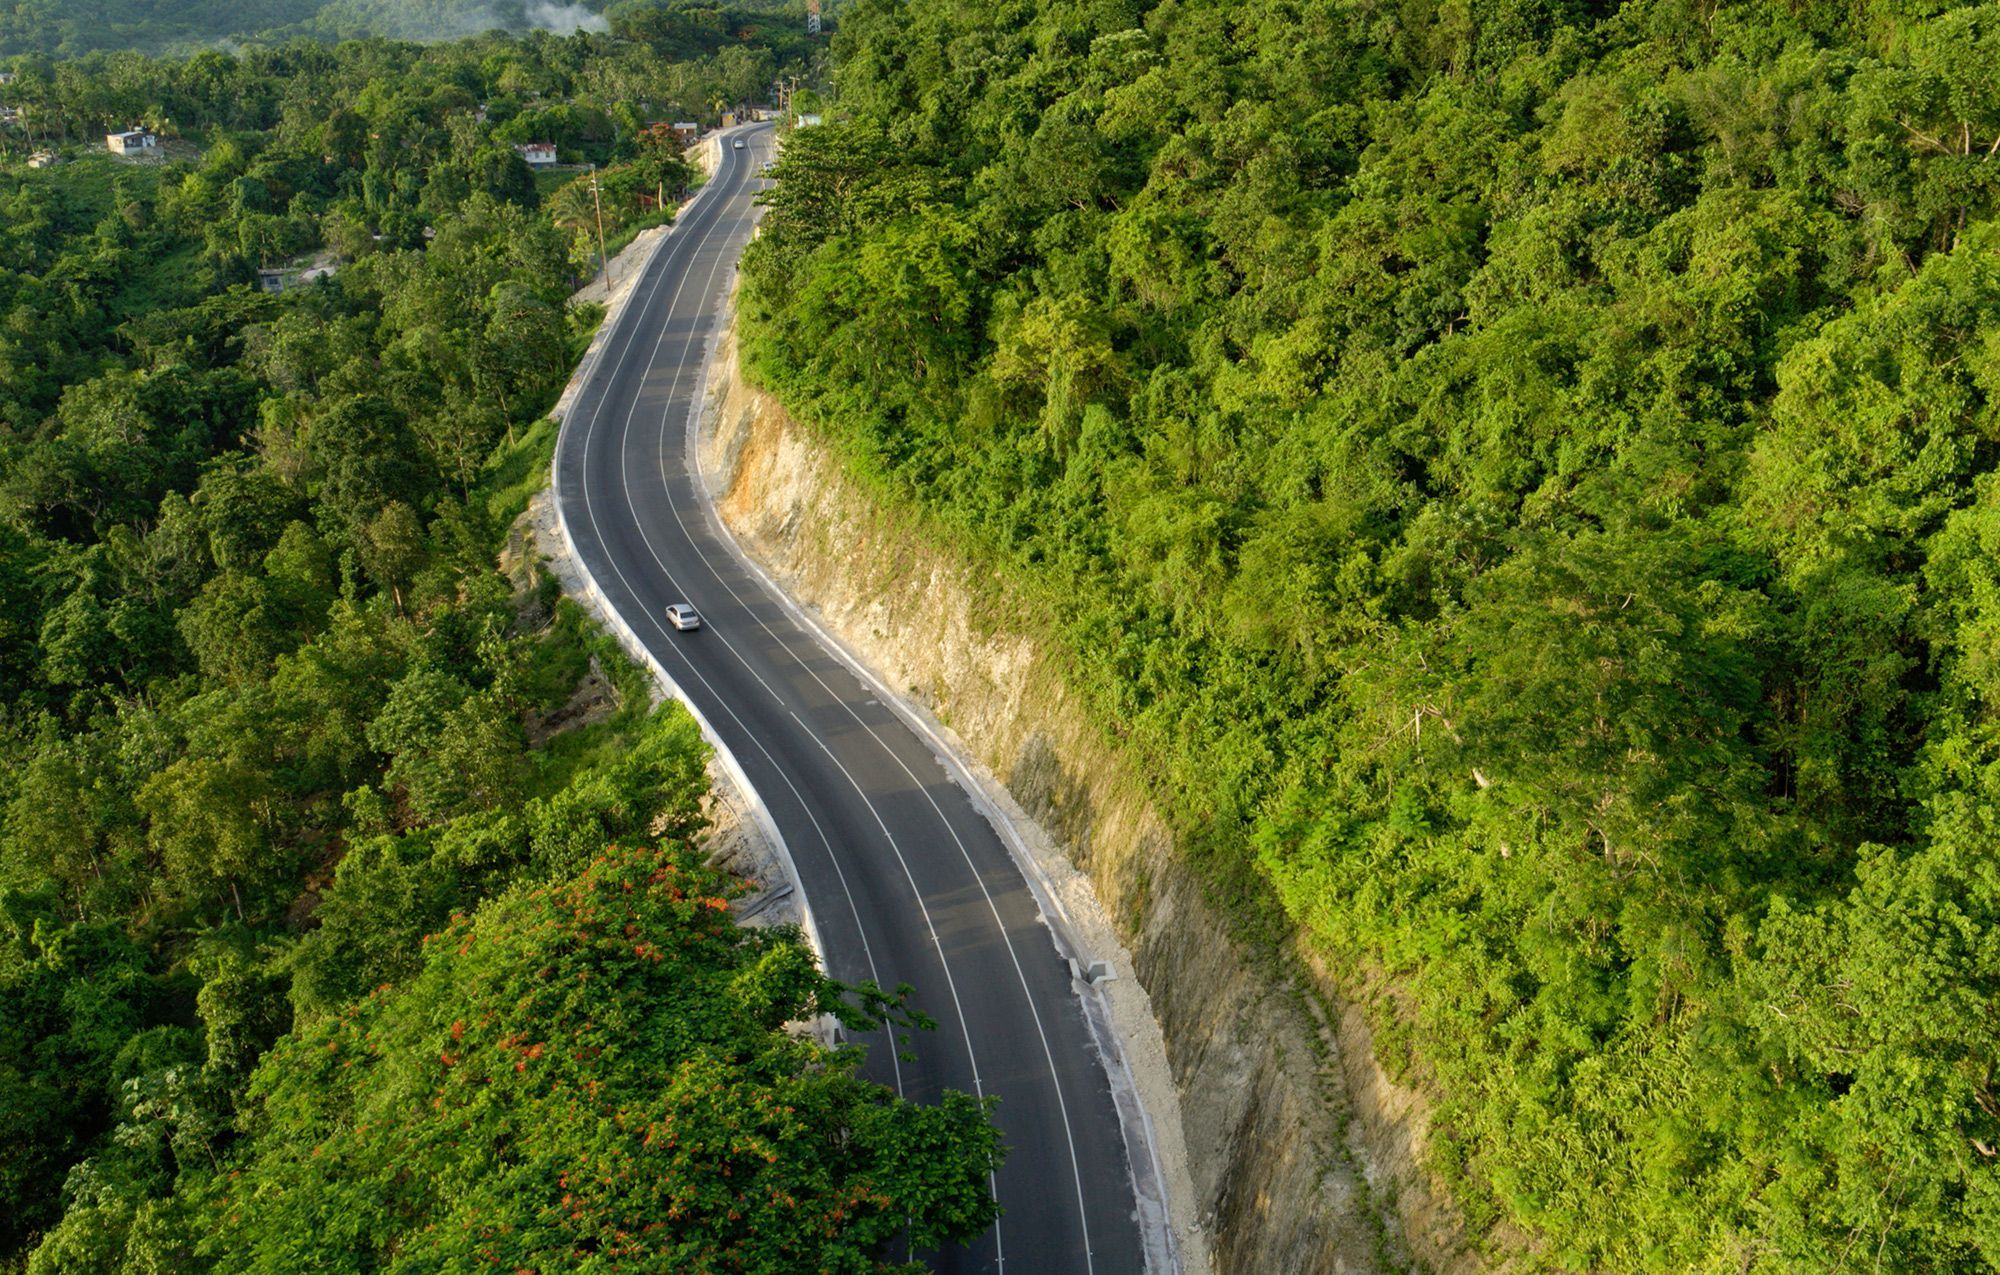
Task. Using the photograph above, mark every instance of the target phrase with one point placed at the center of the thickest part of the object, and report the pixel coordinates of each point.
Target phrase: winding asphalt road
(908, 881)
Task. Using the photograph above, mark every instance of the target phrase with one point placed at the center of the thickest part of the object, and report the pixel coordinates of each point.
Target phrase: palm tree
(570, 207)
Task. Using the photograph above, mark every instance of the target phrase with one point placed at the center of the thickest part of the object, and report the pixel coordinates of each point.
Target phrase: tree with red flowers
(602, 1073)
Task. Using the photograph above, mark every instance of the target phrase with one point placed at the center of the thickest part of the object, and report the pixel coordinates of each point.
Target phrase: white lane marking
(944, 961)
(1048, 1053)
(992, 1178)
(965, 852)
(937, 943)
(867, 949)
(949, 827)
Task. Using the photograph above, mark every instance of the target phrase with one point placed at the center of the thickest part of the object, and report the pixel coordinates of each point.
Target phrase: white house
(536, 154)
(134, 142)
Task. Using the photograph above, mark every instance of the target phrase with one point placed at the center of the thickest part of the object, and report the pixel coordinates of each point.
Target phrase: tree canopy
(350, 909)
(1517, 477)
(594, 1072)
(188, 26)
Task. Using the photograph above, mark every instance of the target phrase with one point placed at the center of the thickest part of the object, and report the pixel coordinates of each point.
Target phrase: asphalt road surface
(908, 882)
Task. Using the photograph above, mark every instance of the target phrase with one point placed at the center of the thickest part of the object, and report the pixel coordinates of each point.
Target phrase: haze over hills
(57, 28)
(451, 19)
(53, 26)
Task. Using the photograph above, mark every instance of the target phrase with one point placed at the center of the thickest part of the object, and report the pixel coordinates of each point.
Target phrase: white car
(738, 143)
(683, 617)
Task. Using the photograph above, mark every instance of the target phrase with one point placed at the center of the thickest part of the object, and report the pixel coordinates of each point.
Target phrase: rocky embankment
(1285, 1147)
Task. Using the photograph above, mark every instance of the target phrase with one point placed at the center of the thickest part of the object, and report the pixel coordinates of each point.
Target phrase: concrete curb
(600, 606)
(1149, 1178)
(1141, 1146)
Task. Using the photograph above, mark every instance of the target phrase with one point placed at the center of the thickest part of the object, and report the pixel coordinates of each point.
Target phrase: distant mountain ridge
(56, 27)
(60, 27)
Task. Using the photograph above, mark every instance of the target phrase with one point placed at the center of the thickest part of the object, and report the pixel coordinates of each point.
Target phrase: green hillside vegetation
(57, 26)
(592, 94)
(591, 1069)
(348, 914)
(52, 28)
(1521, 478)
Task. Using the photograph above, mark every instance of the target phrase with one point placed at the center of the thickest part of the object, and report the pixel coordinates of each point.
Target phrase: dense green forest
(62, 28)
(592, 93)
(1520, 475)
(349, 910)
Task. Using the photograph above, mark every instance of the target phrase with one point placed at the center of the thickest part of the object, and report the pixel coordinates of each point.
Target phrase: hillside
(354, 907)
(1519, 477)
(48, 27)
(57, 27)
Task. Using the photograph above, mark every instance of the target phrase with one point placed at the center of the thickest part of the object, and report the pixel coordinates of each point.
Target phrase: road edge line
(1135, 1121)
(600, 606)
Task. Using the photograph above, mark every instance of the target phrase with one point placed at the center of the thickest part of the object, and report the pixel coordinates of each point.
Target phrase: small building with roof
(137, 141)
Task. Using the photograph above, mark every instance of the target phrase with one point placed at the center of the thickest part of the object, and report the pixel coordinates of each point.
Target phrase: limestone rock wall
(1271, 1165)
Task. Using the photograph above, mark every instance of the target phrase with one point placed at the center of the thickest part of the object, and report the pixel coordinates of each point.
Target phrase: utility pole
(603, 257)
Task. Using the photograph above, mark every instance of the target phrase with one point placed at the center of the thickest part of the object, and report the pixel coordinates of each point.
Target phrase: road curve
(908, 881)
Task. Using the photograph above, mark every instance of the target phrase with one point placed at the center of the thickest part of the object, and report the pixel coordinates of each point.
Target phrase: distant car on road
(683, 617)
(738, 143)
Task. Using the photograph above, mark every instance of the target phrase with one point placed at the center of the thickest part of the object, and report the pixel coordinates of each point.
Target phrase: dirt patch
(594, 700)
